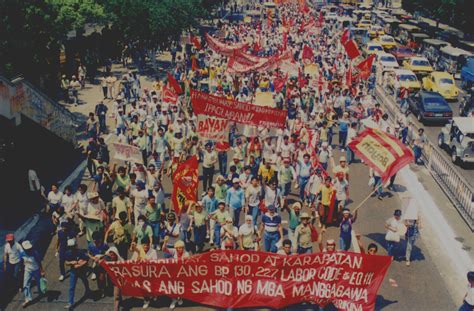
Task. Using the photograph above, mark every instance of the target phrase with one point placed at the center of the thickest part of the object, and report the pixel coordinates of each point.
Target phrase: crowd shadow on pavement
(381, 302)
(416, 253)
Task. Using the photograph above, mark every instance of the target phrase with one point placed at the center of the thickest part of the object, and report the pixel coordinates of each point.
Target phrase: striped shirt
(271, 223)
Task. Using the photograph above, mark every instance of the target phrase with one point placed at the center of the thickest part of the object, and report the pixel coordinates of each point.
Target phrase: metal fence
(454, 185)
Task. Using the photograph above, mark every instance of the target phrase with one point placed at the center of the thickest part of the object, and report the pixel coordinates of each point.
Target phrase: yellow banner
(312, 70)
(373, 150)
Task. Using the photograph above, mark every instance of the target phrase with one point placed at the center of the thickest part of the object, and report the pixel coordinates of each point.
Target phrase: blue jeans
(302, 250)
(73, 277)
(285, 189)
(465, 307)
(378, 185)
(345, 243)
(391, 248)
(349, 155)
(28, 276)
(217, 235)
(155, 226)
(62, 259)
(199, 236)
(255, 212)
(342, 138)
(302, 181)
(13, 274)
(235, 213)
(222, 158)
(269, 241)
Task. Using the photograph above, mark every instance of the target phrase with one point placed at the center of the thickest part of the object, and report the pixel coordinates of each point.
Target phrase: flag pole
(366, 198)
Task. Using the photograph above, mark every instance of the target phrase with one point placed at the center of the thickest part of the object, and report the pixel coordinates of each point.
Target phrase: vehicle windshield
(435, 102)
(408, 78)
(446, 81)
(388, 39)
(420, 62)
(388, 59)
(375, 48)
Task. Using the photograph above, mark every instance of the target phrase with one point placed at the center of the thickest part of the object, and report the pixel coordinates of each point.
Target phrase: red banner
(174, 84)
(169, 95)
(243, 279)
(308, 54)
(232, 110)
(223, 48)
(351, 49)
(185, 183)
(210, 128)
(383, 152)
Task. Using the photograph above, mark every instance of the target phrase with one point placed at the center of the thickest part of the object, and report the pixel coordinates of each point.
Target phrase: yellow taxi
(441, 82)
(364, 23)
(419, 65)
(405, 78)
(375, 31)
(373, 48)
(387, 42)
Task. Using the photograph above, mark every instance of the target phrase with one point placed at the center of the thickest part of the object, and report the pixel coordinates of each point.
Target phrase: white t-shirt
(82, 201)
(55, 198)
(13, 252)
(140, 198)
(235, 234)
(253, 195)
(67, 201)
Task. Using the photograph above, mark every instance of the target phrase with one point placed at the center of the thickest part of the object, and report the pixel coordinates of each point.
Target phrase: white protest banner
(212, 128)
(127, 153)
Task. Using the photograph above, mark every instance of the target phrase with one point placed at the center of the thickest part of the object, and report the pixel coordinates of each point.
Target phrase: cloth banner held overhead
(239, 112)
(383, 152)
(185, 183)
(222, 48)
(241, 279)
(127, 153)
(211, 128)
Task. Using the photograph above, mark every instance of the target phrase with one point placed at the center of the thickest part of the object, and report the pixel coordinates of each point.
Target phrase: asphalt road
(418, 287)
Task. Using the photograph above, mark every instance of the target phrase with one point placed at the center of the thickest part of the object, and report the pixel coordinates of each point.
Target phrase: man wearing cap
(11, 260)
(172, 231)
(345, 226)
(342, 167)
(77, 260)
(33, 269)
(468, 302)
(393, 225)
(94, 216)
(235, 200)
(248, 234)
(208, 165)
(325, 193)
(303, 235)
(294, 212)
(271, 229)
(121, 232)
(325, 155)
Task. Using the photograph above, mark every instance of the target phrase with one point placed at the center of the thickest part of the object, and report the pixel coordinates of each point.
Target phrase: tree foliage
(453, 12)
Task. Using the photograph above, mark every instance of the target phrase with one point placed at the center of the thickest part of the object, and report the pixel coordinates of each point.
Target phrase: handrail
(455, 186)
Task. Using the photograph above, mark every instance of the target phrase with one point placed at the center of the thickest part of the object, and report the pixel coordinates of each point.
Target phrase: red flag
(301, 79)
(185, 183)
(349, 76)
(345, 36)
(365, 67)
(285, 40)
(174, 84)
(383, 152)
(196, 42)
(351, 49)
(194, 65)
(308, 54)
(279, 83)
(301, 26)
(169, 96)
(331, 208)
(321, 19)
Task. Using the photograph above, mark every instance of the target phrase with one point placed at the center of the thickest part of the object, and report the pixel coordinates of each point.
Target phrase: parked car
(364, 23)
(429, 106)
(387, 42)
(402, 52)
(466, 106)
(375, 31)
(457, 137)
(404, 78)
(441, 82)
(386, 61)
(419, 65)
(467, 74)
(373, 48)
